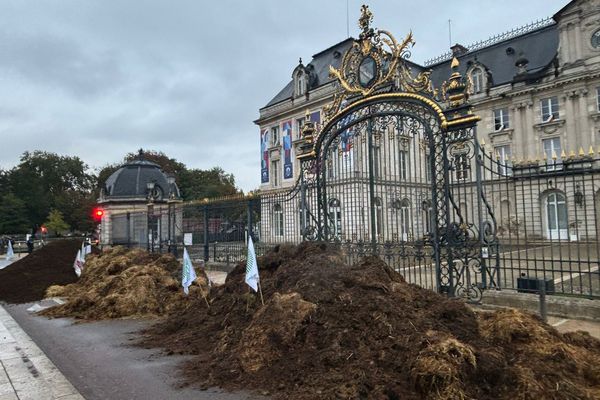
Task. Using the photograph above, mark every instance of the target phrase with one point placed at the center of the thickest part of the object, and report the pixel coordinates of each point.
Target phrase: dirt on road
(329, 330)
(120, 283)
(27, 279)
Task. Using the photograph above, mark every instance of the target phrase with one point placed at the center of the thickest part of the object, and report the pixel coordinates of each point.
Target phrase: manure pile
(329, 330)
(27, 279)
(122, 283)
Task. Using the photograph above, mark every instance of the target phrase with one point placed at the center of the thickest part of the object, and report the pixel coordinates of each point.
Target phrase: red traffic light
(98, 213)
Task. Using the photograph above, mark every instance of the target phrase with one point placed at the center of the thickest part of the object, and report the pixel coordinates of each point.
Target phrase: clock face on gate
(596, 39)
(367, 71)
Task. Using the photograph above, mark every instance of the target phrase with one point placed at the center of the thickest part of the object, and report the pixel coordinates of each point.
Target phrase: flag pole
(204, 297)
(262, 300)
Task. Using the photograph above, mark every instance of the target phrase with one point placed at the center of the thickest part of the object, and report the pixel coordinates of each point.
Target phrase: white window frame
(551, 165)
(300, 83)
(275, 140)
(503, 154)
(549, 109)
(275, 172)
(278, 220)
(555, 204)
(403, 163)
(377, 167)
(501, 119)
(477, 79)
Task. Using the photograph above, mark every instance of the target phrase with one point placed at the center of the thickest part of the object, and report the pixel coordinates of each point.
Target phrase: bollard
(543, 309)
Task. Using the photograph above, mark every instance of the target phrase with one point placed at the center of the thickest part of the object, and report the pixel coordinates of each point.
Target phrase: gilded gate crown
(376, 60)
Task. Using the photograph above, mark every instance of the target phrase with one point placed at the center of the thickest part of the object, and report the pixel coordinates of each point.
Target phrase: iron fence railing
(547, 221)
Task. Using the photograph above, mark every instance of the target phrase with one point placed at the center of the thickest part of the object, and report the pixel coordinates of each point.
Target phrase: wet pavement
(100, 362)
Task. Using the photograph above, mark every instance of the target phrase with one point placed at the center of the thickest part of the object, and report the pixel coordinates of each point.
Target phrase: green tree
(46, 181)
(56, 223)
(13, 215)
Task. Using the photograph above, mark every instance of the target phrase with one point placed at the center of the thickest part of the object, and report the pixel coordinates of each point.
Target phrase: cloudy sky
(98, 79)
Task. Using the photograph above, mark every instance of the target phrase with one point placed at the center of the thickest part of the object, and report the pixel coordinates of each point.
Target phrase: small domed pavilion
(141, 206)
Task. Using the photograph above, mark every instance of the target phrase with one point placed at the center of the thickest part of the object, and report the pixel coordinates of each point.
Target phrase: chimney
(521, 65)
(458, 50)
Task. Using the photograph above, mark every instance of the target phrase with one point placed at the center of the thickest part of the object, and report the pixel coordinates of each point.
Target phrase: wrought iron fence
(546, 214)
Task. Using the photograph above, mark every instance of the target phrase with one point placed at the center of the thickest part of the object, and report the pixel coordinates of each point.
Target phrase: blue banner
(288, 165)
(264, 156)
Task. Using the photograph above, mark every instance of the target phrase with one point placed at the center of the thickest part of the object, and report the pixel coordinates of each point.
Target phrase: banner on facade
(288, 165)
(264, 156)
(316, 117)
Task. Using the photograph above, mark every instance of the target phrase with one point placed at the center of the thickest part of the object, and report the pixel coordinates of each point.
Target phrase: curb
(25, 371)
(557, 306)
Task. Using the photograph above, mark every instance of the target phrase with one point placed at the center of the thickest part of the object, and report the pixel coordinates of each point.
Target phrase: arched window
(477, 80)
(277, 220)
(335, 218)
(378, 216)
(556, 218)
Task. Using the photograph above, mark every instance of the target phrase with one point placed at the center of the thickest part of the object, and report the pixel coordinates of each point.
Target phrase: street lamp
(172, 218)
(150, 197)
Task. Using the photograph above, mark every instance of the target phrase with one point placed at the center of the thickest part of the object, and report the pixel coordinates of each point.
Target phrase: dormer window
(477, 80)
(300, 83)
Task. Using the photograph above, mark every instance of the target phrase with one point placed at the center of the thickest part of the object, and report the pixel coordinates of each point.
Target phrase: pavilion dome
(130, 182)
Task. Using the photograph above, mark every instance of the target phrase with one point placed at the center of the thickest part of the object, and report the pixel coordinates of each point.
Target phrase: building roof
(130, 181)
(319, 68)
(538, 46)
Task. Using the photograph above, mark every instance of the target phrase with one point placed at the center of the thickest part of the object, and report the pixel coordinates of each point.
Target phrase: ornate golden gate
(395, 170)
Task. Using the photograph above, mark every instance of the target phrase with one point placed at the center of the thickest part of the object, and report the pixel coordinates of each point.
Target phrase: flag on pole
(251, 266)
(9, 251)
(77, 264)
(82, 253)
(188, 275)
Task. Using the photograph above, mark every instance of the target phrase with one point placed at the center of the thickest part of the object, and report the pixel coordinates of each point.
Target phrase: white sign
(187, 239)
(485, 252)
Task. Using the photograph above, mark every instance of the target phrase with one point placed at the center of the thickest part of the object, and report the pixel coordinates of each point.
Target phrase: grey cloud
(99, 79)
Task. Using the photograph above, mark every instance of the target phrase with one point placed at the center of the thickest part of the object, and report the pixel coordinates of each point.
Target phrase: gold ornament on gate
(375, 61)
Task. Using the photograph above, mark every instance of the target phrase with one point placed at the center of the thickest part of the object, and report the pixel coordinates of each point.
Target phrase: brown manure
(122, 283)
(28, 278)
(330, 329)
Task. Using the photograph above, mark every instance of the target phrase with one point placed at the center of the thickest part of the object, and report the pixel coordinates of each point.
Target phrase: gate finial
(456, 92)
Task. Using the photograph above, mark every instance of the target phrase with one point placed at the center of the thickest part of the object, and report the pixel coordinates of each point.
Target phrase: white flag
(251, 267)
(82, 253)
(77, 263)
(9, 251)
(188, 275)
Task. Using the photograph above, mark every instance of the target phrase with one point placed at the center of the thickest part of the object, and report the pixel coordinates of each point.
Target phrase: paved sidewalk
(25, 372)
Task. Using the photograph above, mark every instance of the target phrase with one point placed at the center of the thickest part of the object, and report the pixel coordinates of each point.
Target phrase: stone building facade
(537, 92)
